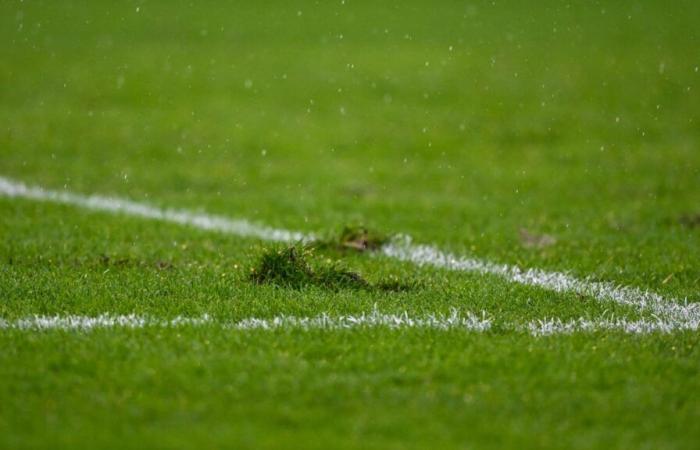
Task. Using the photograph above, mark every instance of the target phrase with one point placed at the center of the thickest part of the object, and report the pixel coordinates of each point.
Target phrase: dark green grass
(459, 124)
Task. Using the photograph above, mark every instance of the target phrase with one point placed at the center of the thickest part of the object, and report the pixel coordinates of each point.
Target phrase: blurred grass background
(460, 123)
(482, 126)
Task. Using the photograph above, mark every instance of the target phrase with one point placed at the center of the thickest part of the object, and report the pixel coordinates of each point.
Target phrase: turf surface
(479, 127)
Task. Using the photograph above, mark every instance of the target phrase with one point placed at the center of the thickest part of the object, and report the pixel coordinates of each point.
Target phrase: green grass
(477, 127)
(374, 389)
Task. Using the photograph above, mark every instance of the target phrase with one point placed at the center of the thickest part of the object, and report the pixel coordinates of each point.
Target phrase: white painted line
(86, 323)
(239, 227)
(547, 327)
(454, 320)
(671, 310)
(469, 322)
(668, 310)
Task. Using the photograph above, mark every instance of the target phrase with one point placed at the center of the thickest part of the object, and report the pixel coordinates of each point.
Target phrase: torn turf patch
(290, 268)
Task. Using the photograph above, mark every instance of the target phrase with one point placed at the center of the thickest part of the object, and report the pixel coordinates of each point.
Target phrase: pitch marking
(673, 312)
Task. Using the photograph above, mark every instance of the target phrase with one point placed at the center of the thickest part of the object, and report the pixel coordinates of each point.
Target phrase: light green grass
(459, 124)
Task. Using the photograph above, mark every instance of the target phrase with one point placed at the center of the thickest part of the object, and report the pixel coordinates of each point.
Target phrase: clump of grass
(289, 268)
(284, 267)
(690, 220)
(354, 238)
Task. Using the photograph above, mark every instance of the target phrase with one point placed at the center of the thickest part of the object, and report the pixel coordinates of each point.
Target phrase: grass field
(499, 136)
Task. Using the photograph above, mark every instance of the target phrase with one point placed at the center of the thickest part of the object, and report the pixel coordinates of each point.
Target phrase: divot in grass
(354, 238)
(673, 310)
(290, 267)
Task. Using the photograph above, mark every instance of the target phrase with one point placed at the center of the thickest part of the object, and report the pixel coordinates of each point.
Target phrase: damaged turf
(290, 268)
(354, 238)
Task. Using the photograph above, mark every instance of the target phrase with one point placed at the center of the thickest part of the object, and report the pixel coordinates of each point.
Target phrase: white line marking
(668, 310)
(547, 327)
(86, 323)
(115, 205)
(454, 321)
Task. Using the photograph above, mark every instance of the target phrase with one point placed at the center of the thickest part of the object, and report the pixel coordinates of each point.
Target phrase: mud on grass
(356, 238)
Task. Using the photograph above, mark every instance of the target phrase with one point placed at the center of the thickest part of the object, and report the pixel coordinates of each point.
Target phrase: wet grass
(555, 135)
